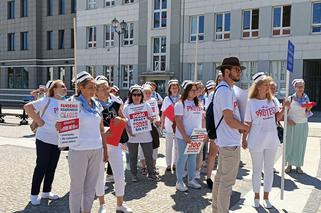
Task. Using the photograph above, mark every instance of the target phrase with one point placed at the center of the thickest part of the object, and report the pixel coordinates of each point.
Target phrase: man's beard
(235, 79)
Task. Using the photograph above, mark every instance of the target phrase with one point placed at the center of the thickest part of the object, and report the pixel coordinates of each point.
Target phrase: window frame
(61, 7)
(281, 29)
(226, 35)
(200, 71)
(11, 9)
(92, 44)
(197, 35)
(128, 1)
(252, 33)
(129, 69)
(91, 4)
(23, 8)
(112, 3)
(24, 43)
(160, 54)
(49, 40)
(73, 6)
(49, 7)
(11, 42)
(130, 38)
(315, 25)
(61, 39)
(161, 10)
(109, 72)
(109, 42)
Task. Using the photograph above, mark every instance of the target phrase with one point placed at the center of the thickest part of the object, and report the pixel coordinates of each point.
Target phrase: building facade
(36, 43)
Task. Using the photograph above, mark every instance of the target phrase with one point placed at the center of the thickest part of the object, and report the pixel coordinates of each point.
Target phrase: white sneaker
(185, 173)
(181, 187)
(102, 209)
(35, 200)
(198, 174)
(123, 208)
(110, 178)
(50, 196)
(194, 184)
(256, 203)
(267, 204)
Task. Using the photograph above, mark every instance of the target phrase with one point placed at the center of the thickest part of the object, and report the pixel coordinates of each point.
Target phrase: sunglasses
(136, 94)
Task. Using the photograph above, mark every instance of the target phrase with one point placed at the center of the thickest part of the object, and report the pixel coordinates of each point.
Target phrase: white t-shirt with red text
(225, 99)
(263, 133)
(192, 116)
(154, 105)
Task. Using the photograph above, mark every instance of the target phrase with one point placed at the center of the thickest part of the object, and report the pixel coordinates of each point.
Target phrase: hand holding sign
(196, 144)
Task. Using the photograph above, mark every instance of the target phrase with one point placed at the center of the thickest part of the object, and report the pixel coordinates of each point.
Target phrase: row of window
(92, 4)
(250, 23)
(24, 40)
(11, 8)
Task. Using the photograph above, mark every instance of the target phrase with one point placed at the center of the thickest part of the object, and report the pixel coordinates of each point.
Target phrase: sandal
(144, 171)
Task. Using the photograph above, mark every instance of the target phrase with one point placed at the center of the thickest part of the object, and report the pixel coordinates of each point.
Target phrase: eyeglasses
(193, 90)
(237, 69)
(136, 94)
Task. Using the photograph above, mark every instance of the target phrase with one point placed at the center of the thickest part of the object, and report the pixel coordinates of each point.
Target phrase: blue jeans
(181, 162)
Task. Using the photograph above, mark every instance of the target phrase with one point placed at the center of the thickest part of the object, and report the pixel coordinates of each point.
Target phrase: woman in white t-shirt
(188, 115)
(147, 92)
(170, 126)
(144, 139)
(44, 112)
(262, 141)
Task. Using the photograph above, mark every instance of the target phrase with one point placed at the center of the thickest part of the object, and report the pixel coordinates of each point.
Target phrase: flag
(115, 131)
(169, 113)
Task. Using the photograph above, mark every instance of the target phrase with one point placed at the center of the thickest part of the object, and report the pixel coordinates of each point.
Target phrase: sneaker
(174, 167)
(35, 200)
(256, 203)
(194, 184)
(134, 179)
(50, 196)
(267, 204)
(123, 208)
(299, 170)
(144, 171)
(110, 178)
(181, 187)
(198, 174)
(209, 183)
(288, 169)
(102, 209)
(168, 169)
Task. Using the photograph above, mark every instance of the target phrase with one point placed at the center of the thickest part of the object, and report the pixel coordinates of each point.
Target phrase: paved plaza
(17, 154)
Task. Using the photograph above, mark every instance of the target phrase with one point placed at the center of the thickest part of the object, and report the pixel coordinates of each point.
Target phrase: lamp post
(119, 28)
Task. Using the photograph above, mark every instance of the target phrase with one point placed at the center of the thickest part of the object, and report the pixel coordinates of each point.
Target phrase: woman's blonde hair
(254, 92)
(99, 83)
(51, 91)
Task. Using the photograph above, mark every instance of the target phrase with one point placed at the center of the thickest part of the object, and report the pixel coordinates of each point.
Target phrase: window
(11, 9)
(73, 6)
(159, 54)
(50, 73)
(250, 23)
(127, 75)
(18, 78)
(197, 28)
(61, 39)
(11, 42)
(91, 70)
(49, 40)
(316, 21)
(61, 73)
(109, 36)
(91, 4)
(109, 3)
(129, 35)
(223, 26)
(160, 13)
(200, 71)
(281, 20)
(49, 7)
(278, 73)
(109, 73)
(91, 35)
(128, 1)
(23, 8)
(246, 77)
(24, 40)
(61, 8)
(72, 36)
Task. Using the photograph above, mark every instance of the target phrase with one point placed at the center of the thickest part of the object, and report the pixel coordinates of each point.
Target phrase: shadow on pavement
(242, 171)
(61, 205)
(289, 185)
(306, 180)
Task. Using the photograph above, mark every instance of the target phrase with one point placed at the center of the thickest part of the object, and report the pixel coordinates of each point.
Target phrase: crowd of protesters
(184, 109)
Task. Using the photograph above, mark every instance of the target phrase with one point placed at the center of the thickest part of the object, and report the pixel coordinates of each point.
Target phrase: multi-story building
(36, 44)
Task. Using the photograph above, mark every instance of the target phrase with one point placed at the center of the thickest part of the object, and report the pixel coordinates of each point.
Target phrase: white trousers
(171, 149)
(264, 159)
(100, 185)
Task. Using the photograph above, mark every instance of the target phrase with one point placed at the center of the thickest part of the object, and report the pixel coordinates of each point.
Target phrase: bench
(13, 104)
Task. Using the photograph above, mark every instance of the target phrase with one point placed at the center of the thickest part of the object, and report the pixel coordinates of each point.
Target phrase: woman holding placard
(188, 116)
(46, 140)
(297, 129)
(139, 115)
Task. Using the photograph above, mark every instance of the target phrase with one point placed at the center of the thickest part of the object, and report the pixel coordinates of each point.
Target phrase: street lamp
(119, 28)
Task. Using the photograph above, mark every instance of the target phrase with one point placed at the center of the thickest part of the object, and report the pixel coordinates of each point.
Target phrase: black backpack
(210, 124)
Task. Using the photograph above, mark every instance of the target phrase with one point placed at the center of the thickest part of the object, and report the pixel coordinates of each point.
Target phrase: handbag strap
(45, 109)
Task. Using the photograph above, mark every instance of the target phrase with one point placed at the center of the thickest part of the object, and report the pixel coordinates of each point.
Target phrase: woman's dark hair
(185, 94)
(130, 97)
(169, 93)
(83, 84)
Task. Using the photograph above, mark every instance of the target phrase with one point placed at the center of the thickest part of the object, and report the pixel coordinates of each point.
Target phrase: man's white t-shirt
(225, 99)
(192, 116)
(89, 130)
(144, 137)
(47, 133)
(166, 103)
(263, 133)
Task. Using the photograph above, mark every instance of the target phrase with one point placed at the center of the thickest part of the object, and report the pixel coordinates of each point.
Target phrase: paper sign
(138, 118)
(68, 117)
(197, 137)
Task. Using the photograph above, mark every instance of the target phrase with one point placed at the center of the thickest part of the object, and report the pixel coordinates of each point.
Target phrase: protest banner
(68, 117)
(138, 119)
(197, 137)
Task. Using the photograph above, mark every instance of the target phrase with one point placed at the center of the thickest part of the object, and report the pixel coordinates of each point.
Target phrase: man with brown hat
(228, 129)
